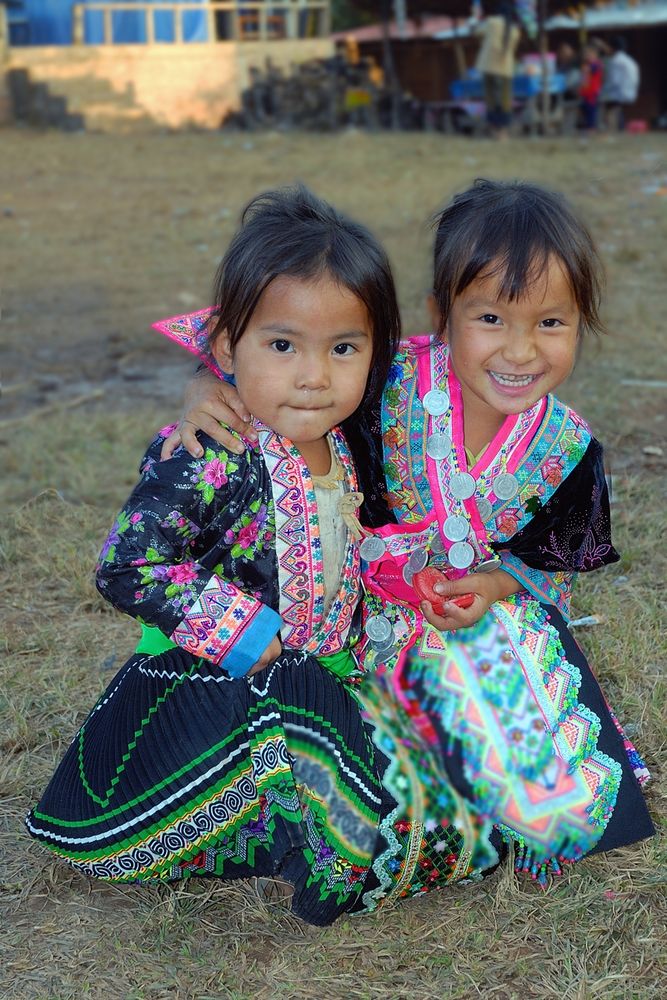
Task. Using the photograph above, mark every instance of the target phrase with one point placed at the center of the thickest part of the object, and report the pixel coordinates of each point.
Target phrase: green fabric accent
(153, 641)
(342, 664)
(474, 459)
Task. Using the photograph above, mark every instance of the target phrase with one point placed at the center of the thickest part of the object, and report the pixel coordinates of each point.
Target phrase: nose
(313, 374)
(520, 347)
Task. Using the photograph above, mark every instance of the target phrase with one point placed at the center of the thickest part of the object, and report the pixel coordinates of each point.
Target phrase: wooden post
(460, 58)
(6, 102)
(262, 23)
(178, 25)
(150, 25)
(583, 30)
(324, 21)
(544, 45)
(210, 23)
(77, 24)
(4, 35)
(292, 22)
(108, 27)
(389, 65)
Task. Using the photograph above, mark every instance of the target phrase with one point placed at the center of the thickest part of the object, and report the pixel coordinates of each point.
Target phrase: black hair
(291, 232)
(619, 43)
(511, 229)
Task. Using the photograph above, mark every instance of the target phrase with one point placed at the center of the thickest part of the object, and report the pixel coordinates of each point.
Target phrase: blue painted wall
(49, 22)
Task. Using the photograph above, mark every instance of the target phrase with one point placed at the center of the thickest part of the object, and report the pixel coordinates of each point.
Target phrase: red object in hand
(423, 583)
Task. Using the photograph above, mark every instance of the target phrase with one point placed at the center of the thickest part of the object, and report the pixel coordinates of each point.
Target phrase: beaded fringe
(527, 862)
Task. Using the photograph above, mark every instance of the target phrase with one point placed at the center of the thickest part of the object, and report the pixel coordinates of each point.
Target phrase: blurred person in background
(500, 34)
(621, 83)
(567, 63)
(590, 87)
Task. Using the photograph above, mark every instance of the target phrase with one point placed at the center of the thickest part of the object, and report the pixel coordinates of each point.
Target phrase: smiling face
(302, 363)
(507, 355)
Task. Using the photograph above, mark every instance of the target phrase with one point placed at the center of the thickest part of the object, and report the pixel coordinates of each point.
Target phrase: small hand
(486, 588)
(454, 617)
(209, 404)
(271, 653)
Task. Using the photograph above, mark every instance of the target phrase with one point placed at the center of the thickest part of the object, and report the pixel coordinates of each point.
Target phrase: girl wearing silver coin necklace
(495, 499)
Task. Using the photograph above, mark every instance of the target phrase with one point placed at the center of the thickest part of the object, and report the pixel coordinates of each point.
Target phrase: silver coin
(487, 566)
(372, 548)
(390, 643)
(462, 485)
(435, 402)
(417, 560)
(379, 629)
(461, 555)
(436, 544)
(438, 446)
(408, 573)
(384, 653)
(505, 486)
(485, 509)
(456, 528)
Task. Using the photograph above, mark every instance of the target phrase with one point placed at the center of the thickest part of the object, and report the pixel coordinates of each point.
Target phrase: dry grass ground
(101, 235)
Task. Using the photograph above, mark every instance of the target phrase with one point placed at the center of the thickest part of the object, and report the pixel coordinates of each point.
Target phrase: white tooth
(520, 380)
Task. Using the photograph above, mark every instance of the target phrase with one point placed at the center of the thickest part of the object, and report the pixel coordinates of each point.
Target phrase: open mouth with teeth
(513, 381)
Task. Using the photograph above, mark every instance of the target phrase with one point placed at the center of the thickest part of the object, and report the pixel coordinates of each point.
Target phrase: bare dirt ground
(101, 235)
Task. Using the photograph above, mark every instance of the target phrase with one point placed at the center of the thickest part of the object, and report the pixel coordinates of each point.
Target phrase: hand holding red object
(423, 583)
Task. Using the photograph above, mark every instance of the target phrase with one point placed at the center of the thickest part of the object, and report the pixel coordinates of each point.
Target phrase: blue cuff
(252, 642)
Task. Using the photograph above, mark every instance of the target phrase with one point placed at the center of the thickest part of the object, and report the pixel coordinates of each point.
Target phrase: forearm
(501, 585)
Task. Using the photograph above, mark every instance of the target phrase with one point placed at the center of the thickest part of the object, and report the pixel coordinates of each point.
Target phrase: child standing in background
(590, 87)
(497, 489)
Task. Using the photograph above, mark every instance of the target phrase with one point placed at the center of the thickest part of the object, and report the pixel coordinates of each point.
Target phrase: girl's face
(507, 355)
(302, 363)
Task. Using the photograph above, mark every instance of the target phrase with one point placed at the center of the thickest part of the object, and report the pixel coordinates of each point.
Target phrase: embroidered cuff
(227, 627)
(548, 588)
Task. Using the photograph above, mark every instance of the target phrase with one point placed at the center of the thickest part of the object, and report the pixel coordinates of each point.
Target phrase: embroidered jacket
(222, 552)
(557, 521)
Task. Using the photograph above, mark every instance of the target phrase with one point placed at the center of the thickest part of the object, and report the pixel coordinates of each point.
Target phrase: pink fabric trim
(182, 331)
(423, 386)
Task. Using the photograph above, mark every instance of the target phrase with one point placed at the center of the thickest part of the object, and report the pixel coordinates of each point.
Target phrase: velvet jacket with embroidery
(223, 552)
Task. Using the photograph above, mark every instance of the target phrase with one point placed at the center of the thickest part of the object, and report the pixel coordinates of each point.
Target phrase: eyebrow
(288, 331)
(548, 307)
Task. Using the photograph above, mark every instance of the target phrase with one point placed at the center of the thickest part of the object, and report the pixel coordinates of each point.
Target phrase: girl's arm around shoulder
(153, 565)
(213, 406)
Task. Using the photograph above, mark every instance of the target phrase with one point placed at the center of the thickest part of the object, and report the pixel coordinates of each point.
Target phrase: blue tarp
(471, 87)
(49, 22)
